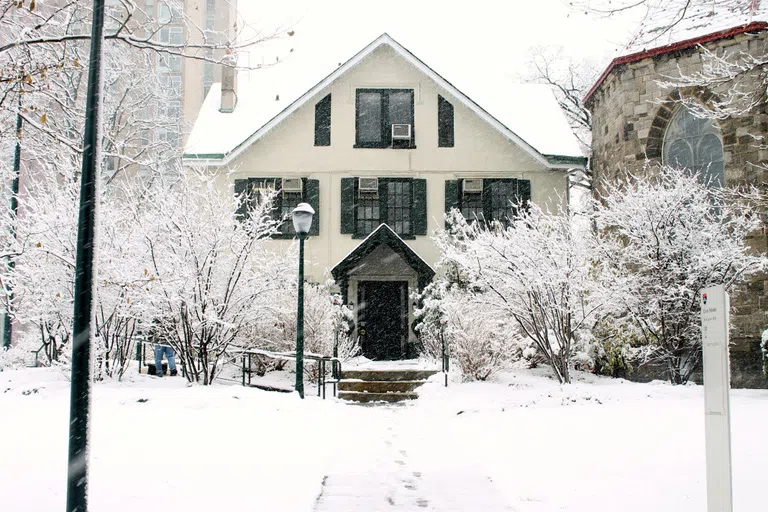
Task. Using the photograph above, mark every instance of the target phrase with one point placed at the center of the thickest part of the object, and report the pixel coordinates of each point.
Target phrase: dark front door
(382, 318)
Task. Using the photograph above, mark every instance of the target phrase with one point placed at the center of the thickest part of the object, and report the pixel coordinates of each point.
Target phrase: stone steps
(381, 375)
(386, 385)
(365, 397)
(380, 386)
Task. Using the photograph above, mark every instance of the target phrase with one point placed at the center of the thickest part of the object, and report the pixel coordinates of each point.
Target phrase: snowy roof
(526, 114)
(382, 235)
(680, 20)
(677, 24)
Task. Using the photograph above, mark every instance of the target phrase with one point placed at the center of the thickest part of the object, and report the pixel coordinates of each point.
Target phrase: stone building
(639, 124)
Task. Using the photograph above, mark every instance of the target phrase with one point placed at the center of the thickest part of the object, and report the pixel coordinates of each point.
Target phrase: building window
(391, 205)
(210, 14)
(323, 122)
(367, 215)
(444, 123)
(694, 144)
(399, 202)
(496, 200)
(377, 110)
(283, 203)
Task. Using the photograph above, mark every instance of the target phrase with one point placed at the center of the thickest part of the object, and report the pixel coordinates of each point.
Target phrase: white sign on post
(717, 377)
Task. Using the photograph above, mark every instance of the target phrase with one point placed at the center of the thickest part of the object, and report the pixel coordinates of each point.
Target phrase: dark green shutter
(323, 122)
(419, 206)
(242, 209)
(348, 205)
(451, 195)
(444, 123)
(524, 191)
(312, 189)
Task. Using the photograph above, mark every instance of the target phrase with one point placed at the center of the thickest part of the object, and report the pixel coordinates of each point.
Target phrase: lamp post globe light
(302, 221)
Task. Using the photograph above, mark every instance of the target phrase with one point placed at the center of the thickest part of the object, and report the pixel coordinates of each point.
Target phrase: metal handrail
(445, 360)
(247, 355)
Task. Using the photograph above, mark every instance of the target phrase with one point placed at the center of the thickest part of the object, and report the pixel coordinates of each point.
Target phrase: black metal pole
(7, 324)
(79, 410)
(300, 322)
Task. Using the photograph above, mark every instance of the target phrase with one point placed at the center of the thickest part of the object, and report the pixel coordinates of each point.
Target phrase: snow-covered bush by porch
(662, 239)
(534, 275)
(475, 339)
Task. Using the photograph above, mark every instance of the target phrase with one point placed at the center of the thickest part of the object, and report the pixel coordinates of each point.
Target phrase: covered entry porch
(376, 280)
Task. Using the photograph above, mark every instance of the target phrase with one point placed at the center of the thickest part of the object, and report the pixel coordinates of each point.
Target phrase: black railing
(322, 368)
(446, 360)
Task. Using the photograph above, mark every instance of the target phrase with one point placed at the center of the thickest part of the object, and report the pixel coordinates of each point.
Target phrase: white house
(381, 148)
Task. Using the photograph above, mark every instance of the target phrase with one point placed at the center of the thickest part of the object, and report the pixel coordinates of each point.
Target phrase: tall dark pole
(79, 410)
(7, 324)
(300, 322)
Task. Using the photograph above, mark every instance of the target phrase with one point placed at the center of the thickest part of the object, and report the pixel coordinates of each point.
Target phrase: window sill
(358, 146)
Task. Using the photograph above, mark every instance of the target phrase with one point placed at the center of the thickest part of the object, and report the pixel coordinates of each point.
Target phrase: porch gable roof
(382, 235)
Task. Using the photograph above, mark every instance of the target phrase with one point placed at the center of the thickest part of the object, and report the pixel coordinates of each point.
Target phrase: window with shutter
(399, 202)
(283, 203)
(323, 122)
(497, 201)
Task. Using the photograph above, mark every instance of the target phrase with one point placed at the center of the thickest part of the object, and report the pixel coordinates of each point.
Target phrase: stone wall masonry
(630, 112)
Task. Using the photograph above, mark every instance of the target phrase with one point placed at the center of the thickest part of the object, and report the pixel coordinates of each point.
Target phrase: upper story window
(487, 200)
(376, 111)
(398, 202)
(694, 143)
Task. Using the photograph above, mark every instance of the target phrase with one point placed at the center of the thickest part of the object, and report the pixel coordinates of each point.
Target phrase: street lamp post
(302, 221)
(80, 387)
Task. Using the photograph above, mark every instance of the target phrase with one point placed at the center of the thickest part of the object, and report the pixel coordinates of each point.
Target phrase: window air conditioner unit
(473, 186)
(368, 186)
(292, 185)
(401, 132)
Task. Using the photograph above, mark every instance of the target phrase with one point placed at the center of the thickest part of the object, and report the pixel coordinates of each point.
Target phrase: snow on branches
(534, 272)
(662, 239)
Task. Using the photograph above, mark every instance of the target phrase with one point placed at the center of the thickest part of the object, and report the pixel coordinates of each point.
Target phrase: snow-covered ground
(523, 443)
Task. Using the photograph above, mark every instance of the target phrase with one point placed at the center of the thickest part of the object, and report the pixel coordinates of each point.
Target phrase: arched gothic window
(693, 143)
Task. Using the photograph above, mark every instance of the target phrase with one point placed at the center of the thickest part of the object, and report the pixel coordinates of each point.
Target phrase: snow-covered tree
(210, 271)
(664, 238)
(570, 80)
(535, 272)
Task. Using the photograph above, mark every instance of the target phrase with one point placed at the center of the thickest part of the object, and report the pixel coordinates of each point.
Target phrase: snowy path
(389, 466)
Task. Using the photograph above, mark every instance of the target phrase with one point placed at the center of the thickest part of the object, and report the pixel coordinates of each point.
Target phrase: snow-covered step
(394, 374)
(365, 397)
(380, 386)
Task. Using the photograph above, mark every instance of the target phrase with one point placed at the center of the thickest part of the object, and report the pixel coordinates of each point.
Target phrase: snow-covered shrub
(477, 341)
(537, 272)
(327, 324)
(664, 238)
(764, 351)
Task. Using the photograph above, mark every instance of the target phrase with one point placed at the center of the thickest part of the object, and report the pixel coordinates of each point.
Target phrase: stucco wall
(480, 151)
(630, 114)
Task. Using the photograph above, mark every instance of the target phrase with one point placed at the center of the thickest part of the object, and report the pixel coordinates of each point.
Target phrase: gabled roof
(680, 24)
(382, 235)
(217, 138)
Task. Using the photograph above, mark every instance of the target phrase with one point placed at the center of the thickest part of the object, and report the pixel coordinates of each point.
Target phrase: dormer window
(377, 110)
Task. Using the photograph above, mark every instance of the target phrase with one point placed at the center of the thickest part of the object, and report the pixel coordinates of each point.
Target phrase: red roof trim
(634, 57)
